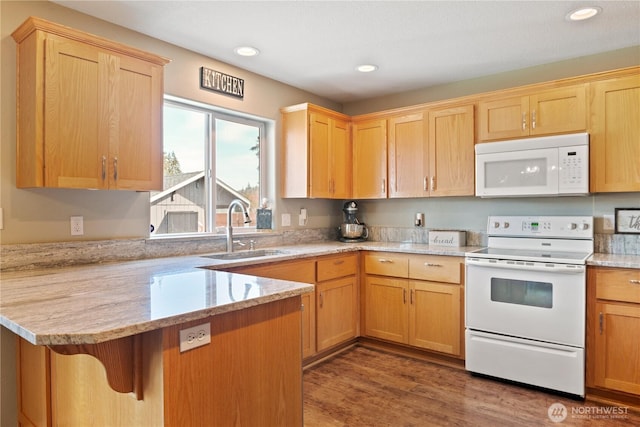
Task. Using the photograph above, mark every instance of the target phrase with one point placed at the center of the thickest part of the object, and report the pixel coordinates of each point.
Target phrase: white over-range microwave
(546, 166)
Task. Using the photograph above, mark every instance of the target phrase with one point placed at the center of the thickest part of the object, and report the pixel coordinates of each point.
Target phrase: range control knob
(506, 225)
(496, 224)
(572, 226)
(584, 226)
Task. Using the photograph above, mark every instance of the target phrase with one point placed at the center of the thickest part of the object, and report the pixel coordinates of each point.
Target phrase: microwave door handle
(536, 266)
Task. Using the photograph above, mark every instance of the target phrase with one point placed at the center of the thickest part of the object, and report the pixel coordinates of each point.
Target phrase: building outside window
(210, 158)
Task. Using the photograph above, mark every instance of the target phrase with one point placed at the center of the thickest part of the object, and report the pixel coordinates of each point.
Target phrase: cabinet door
(615, 135)
(434, 316)
(76, 117)
(319, 160)
(451, 152)
(617, 352)
(341, 159)
(370, 160)
(558, 111)
(408, 159)
(386, 308)
(503, 118)
(336, 311)
(34, 384)
(135, 156)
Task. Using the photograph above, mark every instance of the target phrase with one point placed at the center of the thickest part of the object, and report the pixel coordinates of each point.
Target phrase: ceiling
(316, 45)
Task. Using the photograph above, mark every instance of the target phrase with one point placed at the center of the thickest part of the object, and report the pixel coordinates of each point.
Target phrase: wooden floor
(370, 387)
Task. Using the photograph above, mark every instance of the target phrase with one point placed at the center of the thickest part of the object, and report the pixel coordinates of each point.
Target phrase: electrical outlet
(286, 220)
(195, 336)
(302, 218)
(77, 225)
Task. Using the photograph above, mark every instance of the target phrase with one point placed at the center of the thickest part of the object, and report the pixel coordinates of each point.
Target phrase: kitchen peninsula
(125, 319)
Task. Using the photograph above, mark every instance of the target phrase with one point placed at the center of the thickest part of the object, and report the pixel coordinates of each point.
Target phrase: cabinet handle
(533, 119)
(425, 185)
(634, 281)
(302, 307)
(428, 264)
(600, 322)
(524, 121)
(433, 183)
(338, 262)
(411, 296)
(404, 296)
(104, 167)
(384, 186)
(385, 261)
(321, 299)
(115, 168)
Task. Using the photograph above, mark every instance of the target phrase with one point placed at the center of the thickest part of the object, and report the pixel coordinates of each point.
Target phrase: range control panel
(573, 227)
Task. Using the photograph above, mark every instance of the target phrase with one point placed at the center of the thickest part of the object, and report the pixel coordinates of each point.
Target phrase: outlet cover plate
(195, 336)
(77, 225)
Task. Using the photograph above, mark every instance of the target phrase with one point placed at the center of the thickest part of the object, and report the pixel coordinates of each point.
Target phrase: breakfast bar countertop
(96, 303)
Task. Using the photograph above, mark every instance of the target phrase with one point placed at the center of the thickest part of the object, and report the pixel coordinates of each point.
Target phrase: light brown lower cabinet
(250, 374)
(613, 347)
(421, 313)
(330, 314)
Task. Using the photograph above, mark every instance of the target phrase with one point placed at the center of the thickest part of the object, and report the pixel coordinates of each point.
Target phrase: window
(210, 158)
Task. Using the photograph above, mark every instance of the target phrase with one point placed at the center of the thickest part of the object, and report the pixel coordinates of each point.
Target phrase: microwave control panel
(574, 169)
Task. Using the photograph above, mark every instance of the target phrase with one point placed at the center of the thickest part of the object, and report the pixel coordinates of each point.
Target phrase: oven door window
(522, 292)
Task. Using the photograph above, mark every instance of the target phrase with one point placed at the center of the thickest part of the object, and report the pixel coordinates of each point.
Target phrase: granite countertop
(100, 302)
(614, 260)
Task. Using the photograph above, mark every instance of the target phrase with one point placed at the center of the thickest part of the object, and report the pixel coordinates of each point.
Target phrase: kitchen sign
(222, 83)
(627, 220)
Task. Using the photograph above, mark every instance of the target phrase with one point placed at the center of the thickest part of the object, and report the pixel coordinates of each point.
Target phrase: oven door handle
(526, 266)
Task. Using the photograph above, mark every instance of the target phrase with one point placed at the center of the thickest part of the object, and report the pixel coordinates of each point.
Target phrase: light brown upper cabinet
(316, 153)
(615, 134)
(431, 153)
(451, 151)
(557, 110)
(370, 159)
(408, 156)
(89, 111)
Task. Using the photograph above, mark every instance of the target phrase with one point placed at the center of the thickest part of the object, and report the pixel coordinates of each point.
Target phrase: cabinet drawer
(435, 268)
(618, 284)
(334, 267)
(386, 264)
(296, 271)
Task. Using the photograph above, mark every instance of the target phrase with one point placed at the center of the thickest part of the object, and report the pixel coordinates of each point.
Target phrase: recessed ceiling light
(246, 51)
(583, 13)
(366, 68)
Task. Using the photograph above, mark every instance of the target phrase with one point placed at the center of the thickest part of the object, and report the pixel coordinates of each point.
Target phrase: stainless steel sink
(246, 254)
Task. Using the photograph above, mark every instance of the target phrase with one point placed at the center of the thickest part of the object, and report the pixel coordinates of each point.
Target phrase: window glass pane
(522, 292)
(237, 169)
(210, 159)
(180, 207)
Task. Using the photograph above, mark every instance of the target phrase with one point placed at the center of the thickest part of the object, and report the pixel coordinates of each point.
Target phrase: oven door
(517, 173)
(532, 300)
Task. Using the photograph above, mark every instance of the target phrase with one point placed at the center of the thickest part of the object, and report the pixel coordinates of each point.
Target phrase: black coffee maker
(351, 229)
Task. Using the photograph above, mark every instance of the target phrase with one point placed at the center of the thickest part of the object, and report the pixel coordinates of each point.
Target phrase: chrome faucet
(247, 219)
